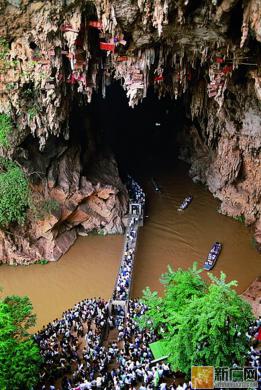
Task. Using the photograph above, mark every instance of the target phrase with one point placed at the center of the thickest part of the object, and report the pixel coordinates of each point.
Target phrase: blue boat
(213, 256)
(186, 202)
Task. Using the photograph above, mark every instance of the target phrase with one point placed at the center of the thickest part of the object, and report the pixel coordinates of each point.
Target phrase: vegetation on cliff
(20, 357)
(5, 129)
(200, 323)
(14, 193)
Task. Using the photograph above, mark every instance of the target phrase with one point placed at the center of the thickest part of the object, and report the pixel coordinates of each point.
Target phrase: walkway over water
(123, 284)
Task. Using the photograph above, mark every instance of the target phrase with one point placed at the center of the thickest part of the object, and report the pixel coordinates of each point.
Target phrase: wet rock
(257, 235)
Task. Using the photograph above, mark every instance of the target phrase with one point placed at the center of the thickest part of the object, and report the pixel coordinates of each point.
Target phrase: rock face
(67, 204)
(224, 152)
(253, 296)
(54, 55)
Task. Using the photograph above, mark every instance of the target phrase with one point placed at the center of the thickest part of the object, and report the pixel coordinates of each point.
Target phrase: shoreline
(253, 296)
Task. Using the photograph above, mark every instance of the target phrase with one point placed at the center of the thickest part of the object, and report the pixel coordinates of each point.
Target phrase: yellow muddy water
(168, 237)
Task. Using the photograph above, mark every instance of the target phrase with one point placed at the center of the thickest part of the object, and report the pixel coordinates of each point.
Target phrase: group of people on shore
(76, 355)
(254, 335)
(72, 345)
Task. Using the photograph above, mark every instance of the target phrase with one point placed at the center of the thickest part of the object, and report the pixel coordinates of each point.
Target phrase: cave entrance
(142, 138)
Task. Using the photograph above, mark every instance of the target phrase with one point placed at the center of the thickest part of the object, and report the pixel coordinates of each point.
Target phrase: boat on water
(155, 185)
(186, 202)
(213, 256)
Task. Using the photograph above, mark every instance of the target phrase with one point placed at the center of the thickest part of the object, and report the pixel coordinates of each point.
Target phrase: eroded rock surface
(79, 206)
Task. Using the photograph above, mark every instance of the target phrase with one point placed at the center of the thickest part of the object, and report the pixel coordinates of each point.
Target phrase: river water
(168, 237)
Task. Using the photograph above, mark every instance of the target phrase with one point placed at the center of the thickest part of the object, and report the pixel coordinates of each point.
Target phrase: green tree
(20, 357)
(204, 327)
(14, 193)
(180, 287)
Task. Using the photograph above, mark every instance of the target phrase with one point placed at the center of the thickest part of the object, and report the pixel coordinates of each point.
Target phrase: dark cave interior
(141, 138)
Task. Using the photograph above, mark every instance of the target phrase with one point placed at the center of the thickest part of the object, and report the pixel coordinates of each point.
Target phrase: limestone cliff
(54, 54)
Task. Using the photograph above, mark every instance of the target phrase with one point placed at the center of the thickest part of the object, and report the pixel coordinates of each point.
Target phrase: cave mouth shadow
(143, 138)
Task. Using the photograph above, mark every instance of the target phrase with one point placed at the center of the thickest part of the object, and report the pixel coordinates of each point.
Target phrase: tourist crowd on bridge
(123, 285)
(136, 193)
(137, 201)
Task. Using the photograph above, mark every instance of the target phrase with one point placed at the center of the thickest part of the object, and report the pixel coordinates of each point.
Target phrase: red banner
(107, 46)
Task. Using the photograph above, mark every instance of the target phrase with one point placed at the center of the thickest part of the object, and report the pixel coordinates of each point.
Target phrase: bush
(42, 262)
(14, 193)
(5, 129)
(240, 218)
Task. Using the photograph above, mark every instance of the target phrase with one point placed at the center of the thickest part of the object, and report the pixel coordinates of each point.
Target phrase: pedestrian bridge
(123, 283)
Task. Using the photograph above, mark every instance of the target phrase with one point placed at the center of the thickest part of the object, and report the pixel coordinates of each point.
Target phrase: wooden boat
(186, 202)
(213, 256)
(155, 185)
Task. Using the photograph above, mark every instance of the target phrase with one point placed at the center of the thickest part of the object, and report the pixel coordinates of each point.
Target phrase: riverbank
(253, 296)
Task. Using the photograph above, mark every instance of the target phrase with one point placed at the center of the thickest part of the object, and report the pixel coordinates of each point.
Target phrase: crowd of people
(136, 193)
(67, 343)
(254, 336)
(137, 201)
(76, 355)
(123, 284)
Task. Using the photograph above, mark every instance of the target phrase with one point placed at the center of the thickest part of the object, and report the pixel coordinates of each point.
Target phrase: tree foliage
(20, 357)
(5, 129)
(14, 193)
(201, 323)
(179, 288)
